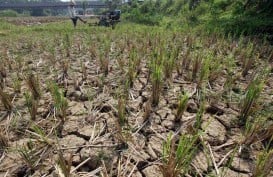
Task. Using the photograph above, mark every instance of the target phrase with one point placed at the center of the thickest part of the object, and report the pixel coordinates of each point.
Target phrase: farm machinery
(109, 19)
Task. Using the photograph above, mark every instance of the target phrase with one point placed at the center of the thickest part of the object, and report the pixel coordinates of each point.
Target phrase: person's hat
(72, 3)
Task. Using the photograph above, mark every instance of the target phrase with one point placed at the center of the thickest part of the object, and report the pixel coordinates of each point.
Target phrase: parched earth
(91, 138)
(30, 21)
(27, 21)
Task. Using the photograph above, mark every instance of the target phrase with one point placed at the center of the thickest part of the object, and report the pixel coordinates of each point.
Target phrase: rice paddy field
(134, 101)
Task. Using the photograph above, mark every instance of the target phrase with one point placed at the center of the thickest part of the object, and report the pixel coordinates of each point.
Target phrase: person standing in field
(72, 13)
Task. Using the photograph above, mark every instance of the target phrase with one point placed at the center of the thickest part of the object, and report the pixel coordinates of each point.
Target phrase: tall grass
(3, 75)
(122, 111)
(67, 44)
(65, 67)
(34, 86)
(63, 167)
(204, 71)
(264, 164)
(27, 154)
(248, 101)
(256, 130)
(196, 68)
(6, 101)
(32, 105)
(132, 68)
(247, 58)
(215, 68)
(182, 106)
(3, 142)
(200, 114)
(156, 83)
(186, 61)
(104, 62)
(168, 64)
(176, 159)
(16, 82)
(60, 102)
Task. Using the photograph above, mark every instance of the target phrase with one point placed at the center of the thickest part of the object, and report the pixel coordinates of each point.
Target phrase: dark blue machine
(110, 19)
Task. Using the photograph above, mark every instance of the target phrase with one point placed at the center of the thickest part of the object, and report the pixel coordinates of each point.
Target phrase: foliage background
(228, 16)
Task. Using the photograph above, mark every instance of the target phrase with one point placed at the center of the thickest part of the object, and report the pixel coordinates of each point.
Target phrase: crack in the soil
(76, 133)
(156, 113)
(214, 110)
(238, 170)
(143, 85)
(222, 122)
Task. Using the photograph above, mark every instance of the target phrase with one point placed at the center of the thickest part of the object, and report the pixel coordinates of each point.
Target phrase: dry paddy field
(136, 101)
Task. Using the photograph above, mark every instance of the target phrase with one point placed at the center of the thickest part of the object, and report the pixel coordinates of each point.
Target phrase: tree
(84, 6)
(193, 4)
(113, 4)
(261, 6)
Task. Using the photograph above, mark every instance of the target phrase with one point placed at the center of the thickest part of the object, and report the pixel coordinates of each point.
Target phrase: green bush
(8, 13)
(137, 16)
(224, 16)
(222, 5)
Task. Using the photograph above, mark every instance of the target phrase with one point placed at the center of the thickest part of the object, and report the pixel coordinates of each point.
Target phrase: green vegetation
(156, 83)
(182, 106)
(263, 165)
(62, 166)
(236, 17)
(8, 13)
(60, 102)
(250, 99)
(32, 105)
(99, 101)
(177, 158)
